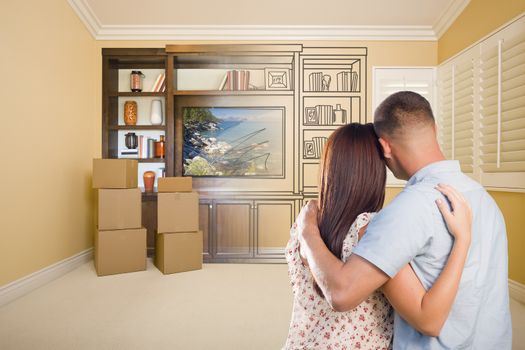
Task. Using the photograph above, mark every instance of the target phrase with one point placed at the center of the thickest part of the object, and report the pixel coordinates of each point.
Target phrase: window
(455, 112)
(388, 80)
(502, 101)
(481, 109)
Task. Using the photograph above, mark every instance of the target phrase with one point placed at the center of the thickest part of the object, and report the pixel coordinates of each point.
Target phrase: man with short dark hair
(411, 230)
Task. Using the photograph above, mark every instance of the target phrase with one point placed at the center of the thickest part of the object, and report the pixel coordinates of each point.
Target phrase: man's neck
(420, 161)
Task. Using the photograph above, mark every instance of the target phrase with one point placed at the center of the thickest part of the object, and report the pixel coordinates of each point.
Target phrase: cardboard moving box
(119, 209)
(174, 184)
(119, 251)
(177, 212)
(115, 173)
(178, 252)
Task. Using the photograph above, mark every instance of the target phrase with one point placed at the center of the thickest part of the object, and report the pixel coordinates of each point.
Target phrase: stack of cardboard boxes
(178, 239)
(120, 239)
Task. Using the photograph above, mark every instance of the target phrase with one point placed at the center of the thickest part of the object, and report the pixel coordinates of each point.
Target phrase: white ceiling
(155, 18)
(269, 12)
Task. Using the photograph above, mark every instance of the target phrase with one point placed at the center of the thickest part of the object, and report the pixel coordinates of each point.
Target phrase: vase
(159, 147)
(130, 113)
(156, 112)
(131, 140)
(149, 181)
(136, 77)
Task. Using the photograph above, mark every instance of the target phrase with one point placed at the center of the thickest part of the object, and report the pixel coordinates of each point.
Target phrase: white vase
(156, 112)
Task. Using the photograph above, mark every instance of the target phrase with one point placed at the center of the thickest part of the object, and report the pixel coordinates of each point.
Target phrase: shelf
(137, 127)
(146, 160)
(139, 94)
(321, 127)
(310, 160)
(234, 93)
(331, 94)
(152, 160)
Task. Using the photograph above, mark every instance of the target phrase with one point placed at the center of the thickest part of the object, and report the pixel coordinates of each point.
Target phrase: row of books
(236, 80)
(347, 81)
(144, 150)
(160, 83)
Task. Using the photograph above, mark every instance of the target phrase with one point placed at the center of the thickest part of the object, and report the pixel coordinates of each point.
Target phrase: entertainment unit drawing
(333, 93)
(249, 123)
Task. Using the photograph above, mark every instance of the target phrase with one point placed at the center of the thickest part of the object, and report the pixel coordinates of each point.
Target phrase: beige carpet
(223, 306)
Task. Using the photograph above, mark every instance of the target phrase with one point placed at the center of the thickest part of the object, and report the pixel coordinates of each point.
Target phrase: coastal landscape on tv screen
(233, 141)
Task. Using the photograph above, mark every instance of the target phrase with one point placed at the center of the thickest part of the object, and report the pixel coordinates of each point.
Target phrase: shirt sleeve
(398, 233)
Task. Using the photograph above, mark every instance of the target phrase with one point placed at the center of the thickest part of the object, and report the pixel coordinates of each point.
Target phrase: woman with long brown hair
(351, 190)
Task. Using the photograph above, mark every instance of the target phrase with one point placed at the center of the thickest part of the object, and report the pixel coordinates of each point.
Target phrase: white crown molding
(245, 32)
(24, 285)
(263, 32)
(448, 16)
(86, 15)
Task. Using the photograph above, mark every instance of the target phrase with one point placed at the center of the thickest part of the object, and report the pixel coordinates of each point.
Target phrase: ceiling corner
(448, 16)
(87, 16)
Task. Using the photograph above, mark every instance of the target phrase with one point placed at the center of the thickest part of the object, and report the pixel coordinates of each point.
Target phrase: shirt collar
(433, 168)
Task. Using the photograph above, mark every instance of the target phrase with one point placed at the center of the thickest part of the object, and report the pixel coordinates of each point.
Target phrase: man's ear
(387, 150)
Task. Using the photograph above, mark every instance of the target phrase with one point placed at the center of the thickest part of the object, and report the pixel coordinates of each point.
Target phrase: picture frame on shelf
(277, 79)
(310, 116)
(309, 149)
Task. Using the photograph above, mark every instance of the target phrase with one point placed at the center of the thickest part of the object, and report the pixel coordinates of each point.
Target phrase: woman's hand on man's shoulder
(306, 223)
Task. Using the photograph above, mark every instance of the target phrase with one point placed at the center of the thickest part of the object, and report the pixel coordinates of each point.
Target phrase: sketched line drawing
(277, 79)
(325, 115)
(313, 149)
(319, 81)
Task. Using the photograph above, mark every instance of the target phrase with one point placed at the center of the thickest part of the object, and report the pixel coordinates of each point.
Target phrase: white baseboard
(24, 285)
(517, 291)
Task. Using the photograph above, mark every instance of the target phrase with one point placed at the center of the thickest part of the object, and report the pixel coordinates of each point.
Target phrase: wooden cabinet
(273, 220)
(233, 229)
(246, 230)
(205, 212)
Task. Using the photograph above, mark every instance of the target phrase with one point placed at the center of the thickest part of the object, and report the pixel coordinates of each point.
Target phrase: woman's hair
(352, 181)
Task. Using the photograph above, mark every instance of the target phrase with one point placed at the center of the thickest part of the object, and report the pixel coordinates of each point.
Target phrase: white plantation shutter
(502, 112)
(455, 114)
(389, 80)
(444, 110)
(464, 114)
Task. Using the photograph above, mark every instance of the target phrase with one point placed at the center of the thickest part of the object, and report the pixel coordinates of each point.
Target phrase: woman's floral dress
(315, 325)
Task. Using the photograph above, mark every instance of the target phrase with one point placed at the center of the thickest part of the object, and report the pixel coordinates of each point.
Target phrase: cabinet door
(205, 210)
(233, 229)
(273, 222)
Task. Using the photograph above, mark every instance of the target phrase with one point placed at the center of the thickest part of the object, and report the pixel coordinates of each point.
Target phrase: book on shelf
(128, 153)
(223, 82)
(315, 80)
(236, 80)
(146, 147)
(347, 81)
(160, 83)
(325, 114)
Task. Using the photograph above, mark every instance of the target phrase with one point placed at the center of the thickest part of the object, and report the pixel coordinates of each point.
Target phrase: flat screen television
(234, 142)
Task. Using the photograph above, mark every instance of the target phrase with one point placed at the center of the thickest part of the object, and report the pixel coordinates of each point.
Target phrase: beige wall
(512, 206)
(480, 18)
(48, 117)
